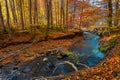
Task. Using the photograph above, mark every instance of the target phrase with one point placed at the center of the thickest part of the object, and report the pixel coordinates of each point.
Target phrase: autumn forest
(59, 39)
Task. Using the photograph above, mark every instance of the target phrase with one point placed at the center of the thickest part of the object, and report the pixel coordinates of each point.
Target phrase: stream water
(89, 55)
(88, 48)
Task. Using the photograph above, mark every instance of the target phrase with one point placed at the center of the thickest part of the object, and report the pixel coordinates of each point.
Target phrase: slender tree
(30, 11)
(47, 7)
(67, 14)
(12, 5)
(116, 18)
(1, 20)
(110, 12)
(35, 12)
(21, 13)
(8, 19)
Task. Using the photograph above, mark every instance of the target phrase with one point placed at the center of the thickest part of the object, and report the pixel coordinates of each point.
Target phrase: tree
(67, 14)
(116, 18)
(47, 7)
(21, 13)
(1, 20)
(62, 14)
(8, 19)
(12, 5)
(110, 11)
(35, 12)
(30, 11)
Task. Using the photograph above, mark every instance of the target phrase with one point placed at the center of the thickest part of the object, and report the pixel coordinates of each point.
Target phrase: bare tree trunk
(110, 11)
(1, 20)
(30, 11)
(74, 14)
(13, 11)
(56, 19)
(116, 20)
(35, 12)
(62, 14)
(47, 6)
(51, 16)
(67, 15)
(8, 19)
(58, 13)
(17, 11)
(81, 15)
(21, 14)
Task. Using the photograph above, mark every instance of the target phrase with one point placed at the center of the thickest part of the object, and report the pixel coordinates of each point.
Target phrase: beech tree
(21, 13)
(8, 19)
(1, 20)
(61, 14)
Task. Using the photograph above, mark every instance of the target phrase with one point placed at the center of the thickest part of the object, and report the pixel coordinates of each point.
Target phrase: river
(86, 48)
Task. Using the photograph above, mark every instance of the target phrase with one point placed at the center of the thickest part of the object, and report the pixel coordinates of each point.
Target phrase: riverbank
(106, 70)
(56, 40)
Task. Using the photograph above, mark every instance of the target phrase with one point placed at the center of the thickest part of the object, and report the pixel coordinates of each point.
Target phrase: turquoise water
(88, 48)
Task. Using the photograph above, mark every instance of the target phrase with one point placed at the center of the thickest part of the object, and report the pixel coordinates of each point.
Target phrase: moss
(68, 53)
(74, 56)
(110, 44)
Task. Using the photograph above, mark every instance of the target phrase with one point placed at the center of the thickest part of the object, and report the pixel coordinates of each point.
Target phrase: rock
(45, 59)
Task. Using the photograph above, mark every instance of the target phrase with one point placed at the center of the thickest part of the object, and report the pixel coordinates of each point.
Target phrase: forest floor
(22, 39)
(108, 69)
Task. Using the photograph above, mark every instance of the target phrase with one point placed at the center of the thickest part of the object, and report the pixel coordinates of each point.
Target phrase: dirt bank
(60, 39)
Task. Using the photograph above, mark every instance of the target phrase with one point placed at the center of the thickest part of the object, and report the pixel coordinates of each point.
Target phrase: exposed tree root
(83, 65)
(65, 62)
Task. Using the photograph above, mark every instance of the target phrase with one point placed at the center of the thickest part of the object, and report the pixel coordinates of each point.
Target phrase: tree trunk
(110, 11)
(35, 12)
(12, 5)
(116, 19)
(74, 14)
(81, 18)
(67, 15)
(62, 14)
(30, 12)
(51, 16)
(8, 19)
(47, 7)
(21, 14)
(1, 20)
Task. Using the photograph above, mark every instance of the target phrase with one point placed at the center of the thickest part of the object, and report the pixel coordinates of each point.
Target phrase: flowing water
(86, 48)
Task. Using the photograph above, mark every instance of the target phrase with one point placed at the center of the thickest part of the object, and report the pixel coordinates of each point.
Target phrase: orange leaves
(108, 70)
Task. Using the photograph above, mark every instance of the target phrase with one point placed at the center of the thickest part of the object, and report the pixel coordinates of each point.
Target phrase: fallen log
(15, 53)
